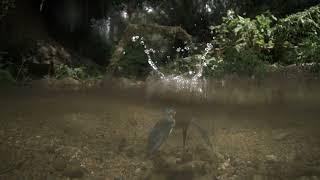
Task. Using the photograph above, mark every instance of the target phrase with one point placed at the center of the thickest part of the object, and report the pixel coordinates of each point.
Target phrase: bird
(160, 132)
(203, 133)
(185, 121)
(163, 128)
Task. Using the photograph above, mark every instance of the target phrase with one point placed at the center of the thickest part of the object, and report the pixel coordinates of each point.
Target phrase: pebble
(118, 178)
(187, 157)
(51, 177)
(59, 164)
(130, 152)
(271, 157)
(258, 177)
(315, 178)
(137, 171)
(122, 144)
(73, 172)
(50, 149)
(281, 136)
(308, 178)
(171, 161)
(193, 167)
(304, 178)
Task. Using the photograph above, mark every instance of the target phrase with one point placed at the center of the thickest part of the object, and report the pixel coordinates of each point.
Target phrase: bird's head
(170, 112)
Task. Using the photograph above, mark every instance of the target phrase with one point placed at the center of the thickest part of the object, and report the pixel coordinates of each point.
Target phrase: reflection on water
(104, 134)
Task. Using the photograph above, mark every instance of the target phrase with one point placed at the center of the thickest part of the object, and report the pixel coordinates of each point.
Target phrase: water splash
(147, 52)
(152, 64)
(101, 27)
(202, 62)
(191, 83)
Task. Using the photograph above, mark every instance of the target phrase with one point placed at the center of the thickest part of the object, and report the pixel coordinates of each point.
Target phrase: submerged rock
(59, 164)
(122, 144)
(259, 177)
(137, 171)
(52, 177)
(271, 158)
(281, 135)
(130, 151)
(172, 161)
(196, 167)
(74, 172)
(187, 157)
(118, 178)
(308, 178)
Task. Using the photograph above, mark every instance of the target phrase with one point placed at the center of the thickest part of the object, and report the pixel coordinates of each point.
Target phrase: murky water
(105, 133)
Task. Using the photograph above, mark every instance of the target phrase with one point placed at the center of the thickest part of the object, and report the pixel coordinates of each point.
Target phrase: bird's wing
(158, 135)
(204, 134)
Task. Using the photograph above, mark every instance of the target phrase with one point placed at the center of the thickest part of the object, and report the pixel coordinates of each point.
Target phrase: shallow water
(106, 134)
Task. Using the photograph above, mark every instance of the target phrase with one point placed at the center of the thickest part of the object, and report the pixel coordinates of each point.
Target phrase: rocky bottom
(92, 138)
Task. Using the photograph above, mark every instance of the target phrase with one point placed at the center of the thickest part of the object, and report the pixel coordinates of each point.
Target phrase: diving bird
(185, 122)
(162, 129)
(203, 133)
(160, 132)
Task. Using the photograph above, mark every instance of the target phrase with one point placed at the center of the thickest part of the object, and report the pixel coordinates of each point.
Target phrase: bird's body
(183, 123)
(162, 129)
(160, 132)
(203, 133)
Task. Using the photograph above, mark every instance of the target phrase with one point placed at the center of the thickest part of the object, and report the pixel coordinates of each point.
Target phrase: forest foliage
(246, 45)
(5, 6)
(242, 44)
